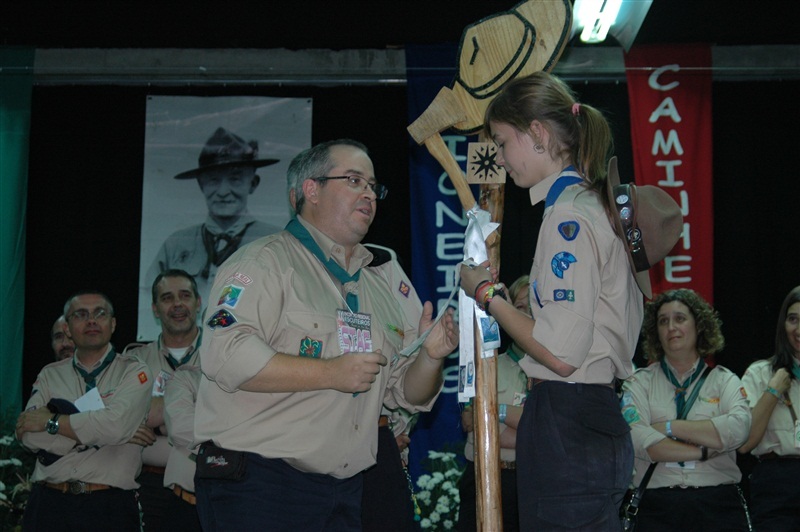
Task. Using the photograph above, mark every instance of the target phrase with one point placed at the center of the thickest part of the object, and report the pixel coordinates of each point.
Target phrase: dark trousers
(182, 517)
(715, 508)
(111, 510)
(574, 458)
(386, 502)
(775, 495)
(274, 496)
(467, 511)
(157, 501)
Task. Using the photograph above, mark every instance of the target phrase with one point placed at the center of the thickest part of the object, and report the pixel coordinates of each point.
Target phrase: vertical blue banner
(437, 236)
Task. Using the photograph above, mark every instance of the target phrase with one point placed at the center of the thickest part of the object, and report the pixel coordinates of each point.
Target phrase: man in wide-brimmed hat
(226, 173)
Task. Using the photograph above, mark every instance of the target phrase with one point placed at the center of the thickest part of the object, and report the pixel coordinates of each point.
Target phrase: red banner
(669, 88)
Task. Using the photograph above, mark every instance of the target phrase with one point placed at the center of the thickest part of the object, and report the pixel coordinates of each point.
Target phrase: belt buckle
(77, 487)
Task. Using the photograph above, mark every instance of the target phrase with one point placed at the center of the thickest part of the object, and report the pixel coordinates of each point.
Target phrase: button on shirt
(276, 296)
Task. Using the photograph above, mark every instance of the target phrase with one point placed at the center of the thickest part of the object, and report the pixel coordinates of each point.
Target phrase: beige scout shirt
(649, 398)
(286, 300)
(103, 456)
(584, 298)
(511, 390)
(155, 356)
(779, 436)
(179, 405)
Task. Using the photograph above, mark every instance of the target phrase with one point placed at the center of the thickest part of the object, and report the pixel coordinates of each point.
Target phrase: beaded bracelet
(480, 287)
(491, 292)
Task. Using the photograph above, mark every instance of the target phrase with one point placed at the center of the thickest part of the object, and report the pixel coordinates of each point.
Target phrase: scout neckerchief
(301, 233)
(513, 355)
(173, 362)
(91, 378)
(220, 246)
(569, 176)
(680, 388)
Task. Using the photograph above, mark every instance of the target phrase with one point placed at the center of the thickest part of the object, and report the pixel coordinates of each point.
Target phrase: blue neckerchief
(91, 378)
(569, 177)
(301, 233)
(513, 355)
(680, 388)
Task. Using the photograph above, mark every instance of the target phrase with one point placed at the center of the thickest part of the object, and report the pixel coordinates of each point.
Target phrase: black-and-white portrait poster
(214, 180)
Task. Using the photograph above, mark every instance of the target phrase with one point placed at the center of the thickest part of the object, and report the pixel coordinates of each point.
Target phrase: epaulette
(380, 255)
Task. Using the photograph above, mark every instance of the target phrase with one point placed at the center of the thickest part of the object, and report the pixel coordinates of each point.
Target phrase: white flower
(423, 481)
(448, 524)
(425, 523)
(438, 477)
(6, 440)
(435, 518)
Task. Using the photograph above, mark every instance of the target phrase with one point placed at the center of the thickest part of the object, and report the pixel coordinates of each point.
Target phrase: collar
(686, 374)
(96, 364)
(361, 255)
(164, 350)
(238, 226)
(557, 182)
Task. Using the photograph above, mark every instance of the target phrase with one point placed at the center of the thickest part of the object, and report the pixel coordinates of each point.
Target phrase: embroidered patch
(395, 329)
(743, 392)
(222, 318)
(242, 278)
(230, 295)
(142, 377)
(629, 411)
(404, 288)
(569, 230)
(564, 295)
(561, 262)
(712, 400)
(310, 347)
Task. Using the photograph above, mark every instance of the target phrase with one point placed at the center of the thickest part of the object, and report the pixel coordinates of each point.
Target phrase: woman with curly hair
(774, 392)
(688, 418)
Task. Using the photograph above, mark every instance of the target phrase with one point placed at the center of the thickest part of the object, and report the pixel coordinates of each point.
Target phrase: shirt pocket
(310, 334)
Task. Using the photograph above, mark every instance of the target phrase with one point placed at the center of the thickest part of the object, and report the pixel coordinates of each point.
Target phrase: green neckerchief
(301, 233)
(513, 354)
(680, 388)
(175, 363)
(795, 370)
(91, 378)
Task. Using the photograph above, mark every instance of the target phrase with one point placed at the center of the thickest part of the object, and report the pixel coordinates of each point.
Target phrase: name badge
(354, 331)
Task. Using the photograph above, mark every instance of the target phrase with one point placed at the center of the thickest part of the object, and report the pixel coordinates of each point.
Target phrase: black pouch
(218, 463)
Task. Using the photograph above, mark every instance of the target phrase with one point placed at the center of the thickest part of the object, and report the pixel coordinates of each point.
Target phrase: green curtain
(16, 82)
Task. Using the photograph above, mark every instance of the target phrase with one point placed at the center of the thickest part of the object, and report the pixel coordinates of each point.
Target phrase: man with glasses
(82, 420)
(176, 304)
(226, 174)
(302, 348)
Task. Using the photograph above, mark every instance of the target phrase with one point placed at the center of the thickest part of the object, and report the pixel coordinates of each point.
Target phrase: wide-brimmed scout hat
(525, 39)
(225, 149)
(647, 219)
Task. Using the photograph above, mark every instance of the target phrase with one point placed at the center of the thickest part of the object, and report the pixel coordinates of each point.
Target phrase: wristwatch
(52, 424)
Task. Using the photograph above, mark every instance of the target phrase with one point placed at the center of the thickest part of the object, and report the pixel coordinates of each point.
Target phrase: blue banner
(437, 239)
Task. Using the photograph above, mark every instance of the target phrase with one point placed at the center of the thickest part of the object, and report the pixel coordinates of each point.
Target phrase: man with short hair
(62, 345)
(175, 304)
(303, 344)
(226, 174)
(80, 419)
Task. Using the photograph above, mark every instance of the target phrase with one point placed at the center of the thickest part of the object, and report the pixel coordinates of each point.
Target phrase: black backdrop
(85, 186)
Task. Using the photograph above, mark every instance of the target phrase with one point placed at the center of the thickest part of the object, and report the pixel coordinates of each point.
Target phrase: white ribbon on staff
(479, 227)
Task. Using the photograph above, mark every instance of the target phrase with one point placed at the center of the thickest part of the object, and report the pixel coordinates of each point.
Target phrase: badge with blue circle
(561, 294)
(569, 230)
(561, 262)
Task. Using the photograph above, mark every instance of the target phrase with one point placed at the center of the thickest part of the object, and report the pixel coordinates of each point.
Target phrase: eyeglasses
(355, 182)
(83, 315)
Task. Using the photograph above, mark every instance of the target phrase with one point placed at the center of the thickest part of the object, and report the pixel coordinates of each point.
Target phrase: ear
(310, 188)
(254, 183)
(65, 327)
(537, 132)
(113, 325)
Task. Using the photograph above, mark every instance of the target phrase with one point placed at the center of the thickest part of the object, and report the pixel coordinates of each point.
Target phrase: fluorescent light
(596, 17)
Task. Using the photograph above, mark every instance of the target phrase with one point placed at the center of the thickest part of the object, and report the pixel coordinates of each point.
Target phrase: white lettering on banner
(669, 166)
(447, 242)
(684, 203)
(451, 375)
(665, 145)
(672, 266)
(667, 108)
(450, 271)
(442, 210)
(652, 81)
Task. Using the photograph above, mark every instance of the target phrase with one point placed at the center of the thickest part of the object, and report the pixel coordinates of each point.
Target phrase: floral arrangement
(437, 497)
(16, 466)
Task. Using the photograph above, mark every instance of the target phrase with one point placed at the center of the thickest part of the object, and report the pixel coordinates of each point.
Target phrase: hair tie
(576, 108)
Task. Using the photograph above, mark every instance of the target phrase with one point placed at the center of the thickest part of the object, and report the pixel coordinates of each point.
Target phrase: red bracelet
(480, 287)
